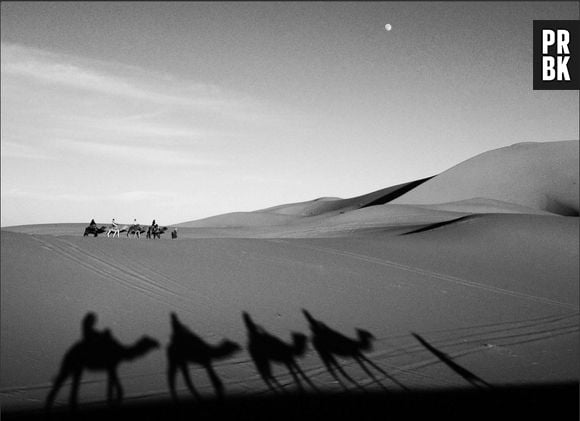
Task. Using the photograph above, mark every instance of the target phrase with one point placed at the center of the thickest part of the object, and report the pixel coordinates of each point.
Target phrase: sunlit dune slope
(300, 212)
(526, 178)
(541, 176)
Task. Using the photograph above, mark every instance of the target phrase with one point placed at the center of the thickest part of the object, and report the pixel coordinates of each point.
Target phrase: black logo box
(573, 27)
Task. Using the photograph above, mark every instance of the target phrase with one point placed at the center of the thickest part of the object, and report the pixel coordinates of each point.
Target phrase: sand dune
(328, 205)
(483, 205)
(487, 277)
(494, 291)
(527, 178)
(541, 176)
(303, 211)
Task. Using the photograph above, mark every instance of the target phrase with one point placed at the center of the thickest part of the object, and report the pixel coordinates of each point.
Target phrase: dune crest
(541, 176)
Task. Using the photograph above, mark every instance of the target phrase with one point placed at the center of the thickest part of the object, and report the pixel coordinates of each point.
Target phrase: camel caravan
(134, 230)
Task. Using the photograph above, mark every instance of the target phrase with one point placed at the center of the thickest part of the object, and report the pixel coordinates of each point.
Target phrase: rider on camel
(90, 334)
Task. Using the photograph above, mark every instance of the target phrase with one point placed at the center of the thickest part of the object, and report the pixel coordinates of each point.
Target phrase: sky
(177, 111)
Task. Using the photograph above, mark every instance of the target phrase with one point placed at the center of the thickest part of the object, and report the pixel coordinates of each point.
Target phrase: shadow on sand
(97, 351)
(448, 361)
(266, 349)
(330, 344)
(186, 347)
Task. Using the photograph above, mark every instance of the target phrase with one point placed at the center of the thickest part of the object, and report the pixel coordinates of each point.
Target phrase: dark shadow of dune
(396, 191)
(266, 349)
(186, 347)
(97, 351)
(330, 344)
(440, 224)
(470, 377)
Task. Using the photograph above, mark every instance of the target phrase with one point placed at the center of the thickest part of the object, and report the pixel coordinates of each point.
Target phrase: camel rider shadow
(186, 348)
(266, 349)
(97, 351)
(330, 344)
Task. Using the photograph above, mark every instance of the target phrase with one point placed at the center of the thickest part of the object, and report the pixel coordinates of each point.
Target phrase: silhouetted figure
(97, 351)
(329, 344)
(155, 232)
(90, 334)
(186, 347)
(174, 234)
(136, 230)
(92, 224)
(447, 360)
(266, 349)
(93, 229)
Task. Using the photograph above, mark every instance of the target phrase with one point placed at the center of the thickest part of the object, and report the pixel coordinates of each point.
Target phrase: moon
(388, 27)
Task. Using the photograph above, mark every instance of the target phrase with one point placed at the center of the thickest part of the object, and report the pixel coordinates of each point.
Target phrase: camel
(113, 230)
(186, 347)
(329, 344)
(94, 230)
(155, 232)
(136, 230)
(102, 352)
(265, 349)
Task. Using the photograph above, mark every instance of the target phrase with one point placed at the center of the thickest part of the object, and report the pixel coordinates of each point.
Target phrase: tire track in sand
(432, 274)
(129, 278)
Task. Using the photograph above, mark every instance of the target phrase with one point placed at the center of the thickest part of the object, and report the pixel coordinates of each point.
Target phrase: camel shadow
(266, 349)
(186, 347)
(470, 377)
(97, 351)
(330, 344)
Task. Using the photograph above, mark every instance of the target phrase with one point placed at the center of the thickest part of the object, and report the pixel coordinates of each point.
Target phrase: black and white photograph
(290, 210)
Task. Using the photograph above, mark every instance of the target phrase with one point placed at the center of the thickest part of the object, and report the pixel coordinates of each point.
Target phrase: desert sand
(481, 262)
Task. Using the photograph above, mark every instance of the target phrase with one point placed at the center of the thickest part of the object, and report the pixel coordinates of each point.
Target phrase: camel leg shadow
(305, 377)
(216, 382)
(331, 364)
(74, 391)
(189, 383)
(363, 359)
(172, 374)
(265, 372)
(114, 389)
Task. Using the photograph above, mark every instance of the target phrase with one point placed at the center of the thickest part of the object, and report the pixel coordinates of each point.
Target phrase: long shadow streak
(470, 377)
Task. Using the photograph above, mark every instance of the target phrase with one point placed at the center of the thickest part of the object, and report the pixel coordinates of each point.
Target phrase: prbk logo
(556, 54)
